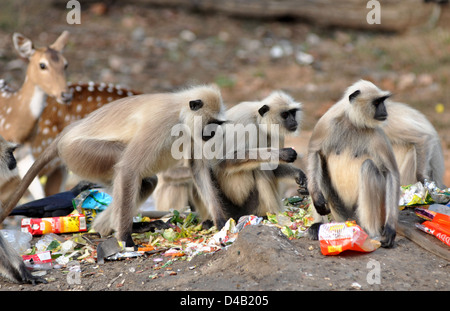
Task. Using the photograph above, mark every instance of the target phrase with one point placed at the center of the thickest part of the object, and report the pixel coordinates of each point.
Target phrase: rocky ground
(161, 49)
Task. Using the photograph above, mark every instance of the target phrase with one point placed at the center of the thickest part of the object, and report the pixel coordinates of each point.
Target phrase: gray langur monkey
(124, 145)
(416, 145)
(352, 171)
(243, 187)
(11, 264)
(415, 142)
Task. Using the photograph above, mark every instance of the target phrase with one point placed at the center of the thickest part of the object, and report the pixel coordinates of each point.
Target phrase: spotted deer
(87, 97)
(20, 109)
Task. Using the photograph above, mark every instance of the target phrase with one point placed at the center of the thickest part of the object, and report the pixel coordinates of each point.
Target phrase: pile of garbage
(59, 240)
(62, 239)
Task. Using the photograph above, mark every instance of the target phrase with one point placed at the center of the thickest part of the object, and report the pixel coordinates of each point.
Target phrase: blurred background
(311, 49)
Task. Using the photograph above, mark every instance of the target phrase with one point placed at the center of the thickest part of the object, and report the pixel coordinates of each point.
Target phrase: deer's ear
(61, 42)
(23, 45)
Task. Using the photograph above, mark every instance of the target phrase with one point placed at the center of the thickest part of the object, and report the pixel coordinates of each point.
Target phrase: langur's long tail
(49, 154)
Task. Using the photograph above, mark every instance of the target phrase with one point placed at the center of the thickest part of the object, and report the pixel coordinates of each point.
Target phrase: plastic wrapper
(336, 238)
(438, 230)
(246, 221)
(436, 224)
(423, 194)
(91, 202)
(124, 255)
(64, 224)
(226, 235)
(38, 261)
(433, 216)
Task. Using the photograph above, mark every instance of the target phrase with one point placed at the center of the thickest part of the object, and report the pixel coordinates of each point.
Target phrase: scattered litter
(423, 194)
(47, 242)
(335, 238)
(39, 261)
(296, 219)
(123, 255)
(182, 238)
(107, 248)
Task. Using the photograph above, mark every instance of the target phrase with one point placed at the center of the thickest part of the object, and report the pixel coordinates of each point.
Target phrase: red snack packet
(338, 237)
(440, 231)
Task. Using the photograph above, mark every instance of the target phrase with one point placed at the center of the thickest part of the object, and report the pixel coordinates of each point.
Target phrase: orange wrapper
(335, 238)
(146, 248)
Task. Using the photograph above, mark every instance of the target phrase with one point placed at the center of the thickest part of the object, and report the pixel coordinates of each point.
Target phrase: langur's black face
(10, 159)
(289, 120)
(380, 108)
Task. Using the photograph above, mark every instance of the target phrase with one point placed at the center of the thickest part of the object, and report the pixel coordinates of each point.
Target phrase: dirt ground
(160, 49)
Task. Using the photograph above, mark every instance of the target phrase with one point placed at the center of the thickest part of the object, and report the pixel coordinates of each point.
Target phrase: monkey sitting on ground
(11, 265)
(352, 171)
(125, 143)
(243, 187)
(415, 142)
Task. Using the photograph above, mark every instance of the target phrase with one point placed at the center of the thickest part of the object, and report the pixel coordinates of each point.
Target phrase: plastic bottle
(19, 240)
